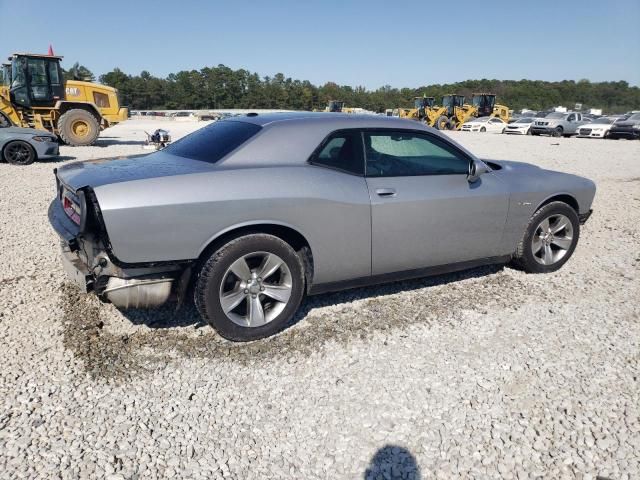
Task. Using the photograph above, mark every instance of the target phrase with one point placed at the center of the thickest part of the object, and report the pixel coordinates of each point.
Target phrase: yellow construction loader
(337, 106)
(425, 110)
(485, 106)
(458, 111)
(37, 96)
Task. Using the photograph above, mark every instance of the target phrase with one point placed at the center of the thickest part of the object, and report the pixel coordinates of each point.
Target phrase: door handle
(386, 192)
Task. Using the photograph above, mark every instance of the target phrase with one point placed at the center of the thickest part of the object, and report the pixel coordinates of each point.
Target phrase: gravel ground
(489, 373)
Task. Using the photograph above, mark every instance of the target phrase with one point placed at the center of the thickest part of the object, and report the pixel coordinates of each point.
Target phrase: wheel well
(294, 238)
(66, 106)
(568, 199)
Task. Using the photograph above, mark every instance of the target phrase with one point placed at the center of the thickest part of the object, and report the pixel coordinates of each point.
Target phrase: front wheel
(442, 123)
(78, 128)
(483, 129)
(549, 239)
(557, 132)
(251, 287)
(19, 153)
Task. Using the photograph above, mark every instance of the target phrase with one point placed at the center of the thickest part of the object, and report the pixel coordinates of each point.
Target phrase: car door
(497, 125)
(424, 211)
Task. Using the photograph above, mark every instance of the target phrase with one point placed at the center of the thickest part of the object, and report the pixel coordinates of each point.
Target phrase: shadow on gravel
(111, 355)
(108, 141)
(58, 159)
(393, 462)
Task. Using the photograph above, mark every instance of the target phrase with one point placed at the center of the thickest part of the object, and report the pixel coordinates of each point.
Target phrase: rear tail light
(75, 206)
(71, 206)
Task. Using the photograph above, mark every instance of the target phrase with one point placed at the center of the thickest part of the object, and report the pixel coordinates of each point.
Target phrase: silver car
(22, 146)
(252, 213)
(558, 124)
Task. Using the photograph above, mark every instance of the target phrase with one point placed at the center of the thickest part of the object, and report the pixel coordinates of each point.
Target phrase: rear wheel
(442, 123)
(19, 153)
(78, 127)
(549, 239)
(251, 287)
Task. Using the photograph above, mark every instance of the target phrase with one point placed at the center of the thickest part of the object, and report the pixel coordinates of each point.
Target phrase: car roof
(337, 120)
(290, 137)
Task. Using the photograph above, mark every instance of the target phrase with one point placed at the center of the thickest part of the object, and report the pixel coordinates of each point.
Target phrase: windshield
(604, 120)
(555, 115)
(17, 74)
(524, 120)
(211, 143)
(634, 118)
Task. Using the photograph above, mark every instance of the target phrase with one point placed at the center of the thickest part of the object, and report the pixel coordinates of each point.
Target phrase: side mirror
(476, 169)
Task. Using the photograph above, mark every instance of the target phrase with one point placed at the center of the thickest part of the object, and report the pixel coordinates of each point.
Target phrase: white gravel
(490, 373)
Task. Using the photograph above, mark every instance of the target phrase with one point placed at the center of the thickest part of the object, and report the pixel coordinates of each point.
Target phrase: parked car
(23, 146)
(558, 124)
(628, 128)
(484, 124)
(597, 128)
(521, 126)
(517, 116)
(254, 212)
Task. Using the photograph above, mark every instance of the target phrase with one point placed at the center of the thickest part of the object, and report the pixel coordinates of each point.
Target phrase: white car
(484, 124)
(521, 126)
(599, 128)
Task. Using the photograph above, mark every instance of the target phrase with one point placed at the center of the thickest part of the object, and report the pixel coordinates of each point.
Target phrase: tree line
(222, 87)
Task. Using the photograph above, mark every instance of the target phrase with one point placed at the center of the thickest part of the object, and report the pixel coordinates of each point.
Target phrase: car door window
(399, 154)
(342, 151)
(571, 118)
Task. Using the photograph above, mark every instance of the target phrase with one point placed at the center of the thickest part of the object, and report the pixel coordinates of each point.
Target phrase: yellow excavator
(35, 95)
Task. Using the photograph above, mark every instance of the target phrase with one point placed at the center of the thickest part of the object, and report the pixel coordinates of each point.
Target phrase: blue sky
(370, 43)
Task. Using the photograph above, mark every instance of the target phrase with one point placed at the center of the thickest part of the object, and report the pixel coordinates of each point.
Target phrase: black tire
(78, 128)
(483, 130)
(529, 131)
(524, 256)
(557, 132)
(19, 153)
(535, 134)
(452, 125)
(215, 270)
(442, 123)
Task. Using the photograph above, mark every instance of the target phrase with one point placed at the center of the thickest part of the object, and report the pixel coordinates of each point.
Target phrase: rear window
(211, 143)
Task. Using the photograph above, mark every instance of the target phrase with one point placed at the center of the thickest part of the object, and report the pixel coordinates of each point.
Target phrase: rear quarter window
(213, 142)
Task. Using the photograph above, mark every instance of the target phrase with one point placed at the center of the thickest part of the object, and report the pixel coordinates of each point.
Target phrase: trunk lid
(94, 173)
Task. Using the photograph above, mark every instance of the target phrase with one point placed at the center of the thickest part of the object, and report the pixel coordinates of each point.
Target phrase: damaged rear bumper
(88, 265)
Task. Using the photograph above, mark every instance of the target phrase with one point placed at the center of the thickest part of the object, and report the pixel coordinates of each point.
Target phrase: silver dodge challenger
(251, 213)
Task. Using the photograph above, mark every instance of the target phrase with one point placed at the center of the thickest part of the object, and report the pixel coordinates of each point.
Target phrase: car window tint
(399, 154)
(343, 151)
(213, 142)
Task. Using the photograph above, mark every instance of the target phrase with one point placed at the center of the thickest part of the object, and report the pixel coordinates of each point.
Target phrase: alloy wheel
(17, 153)
(552, 239)
(255, 289)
